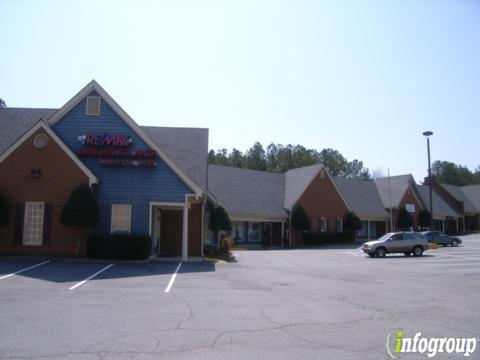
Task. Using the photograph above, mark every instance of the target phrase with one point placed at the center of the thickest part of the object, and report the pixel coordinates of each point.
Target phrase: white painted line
(20, 271)
(172, 280)
(90, 277)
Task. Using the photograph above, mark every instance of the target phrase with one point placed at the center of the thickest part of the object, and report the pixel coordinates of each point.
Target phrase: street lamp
(427, 134)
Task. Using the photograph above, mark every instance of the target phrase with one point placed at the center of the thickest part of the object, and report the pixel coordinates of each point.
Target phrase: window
(121, 218)
(237, 231)
(40, 141)
(408, 237)
(322, 225)
(93, 105)
(254, 231)
(339, 225)
(33, 223)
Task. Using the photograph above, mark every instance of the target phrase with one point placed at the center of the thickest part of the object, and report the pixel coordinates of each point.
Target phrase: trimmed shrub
(323, 238)
(405, 220)
(80, 209)
(4, 218)
(300, 219)
(119, 246)
(219, 219)
(352, 222)
(424, 218)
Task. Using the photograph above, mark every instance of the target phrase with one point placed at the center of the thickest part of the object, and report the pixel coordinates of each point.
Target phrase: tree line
(450, 173)
(281, 158)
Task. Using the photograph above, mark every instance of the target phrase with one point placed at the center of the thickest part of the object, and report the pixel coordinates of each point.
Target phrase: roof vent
(93, 106)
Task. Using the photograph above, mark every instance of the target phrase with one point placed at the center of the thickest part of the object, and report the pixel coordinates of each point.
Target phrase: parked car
(442, 239)
(400, 242)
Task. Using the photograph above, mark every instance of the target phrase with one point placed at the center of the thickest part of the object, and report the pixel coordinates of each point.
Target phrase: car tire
(417, 251)
(444, 245)
(454, 242)
(408, 253)
(380, 252)
(371, 255)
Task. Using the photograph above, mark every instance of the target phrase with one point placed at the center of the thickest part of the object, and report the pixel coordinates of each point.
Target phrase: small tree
(80, 211)
(219, 220)
(352, 223)
(300, 219)
(405, 220)
(3, 211)
(424, 218)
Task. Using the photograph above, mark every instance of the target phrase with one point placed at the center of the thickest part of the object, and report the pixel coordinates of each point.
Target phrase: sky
(363, 77)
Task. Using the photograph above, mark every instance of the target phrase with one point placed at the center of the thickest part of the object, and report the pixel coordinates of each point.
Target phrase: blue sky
(363, 77)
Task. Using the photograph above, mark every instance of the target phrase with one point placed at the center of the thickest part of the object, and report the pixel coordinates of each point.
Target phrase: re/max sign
(105, 140)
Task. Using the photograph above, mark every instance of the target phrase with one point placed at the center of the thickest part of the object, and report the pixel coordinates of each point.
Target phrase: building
(147, 180)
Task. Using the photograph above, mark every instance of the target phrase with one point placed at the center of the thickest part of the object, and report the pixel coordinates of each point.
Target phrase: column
(368, 229)
(185, 232)
(283, 233)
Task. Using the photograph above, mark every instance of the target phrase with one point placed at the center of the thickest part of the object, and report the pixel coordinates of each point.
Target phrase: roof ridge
(246, 169)
(174, 127)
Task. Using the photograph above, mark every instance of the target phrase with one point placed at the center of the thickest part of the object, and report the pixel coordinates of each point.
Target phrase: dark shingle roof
(362, 197)
(392, 189)
(473, 194)
(297, 181)
(247, 192)
(440, 207)
(14, 122)
(457, 193)
(187, 147)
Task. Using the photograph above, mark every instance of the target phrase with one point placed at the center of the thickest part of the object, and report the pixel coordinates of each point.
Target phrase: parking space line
(466, 270)
(90, 277)
(22, 270)
(172, 280)
(456, 263)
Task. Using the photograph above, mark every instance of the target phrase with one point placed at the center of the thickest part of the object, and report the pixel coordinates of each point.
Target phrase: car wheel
(371, 255)
(455, 243)
(380, 252)
(417, 251)
(444, 245)
(407, 253)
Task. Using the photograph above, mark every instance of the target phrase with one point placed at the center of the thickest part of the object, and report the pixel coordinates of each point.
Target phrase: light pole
(428, 134)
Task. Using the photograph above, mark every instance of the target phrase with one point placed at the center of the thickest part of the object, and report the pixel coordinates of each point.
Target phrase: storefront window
(254, 231)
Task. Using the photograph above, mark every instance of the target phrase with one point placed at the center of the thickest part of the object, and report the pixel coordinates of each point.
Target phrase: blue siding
(121, 185)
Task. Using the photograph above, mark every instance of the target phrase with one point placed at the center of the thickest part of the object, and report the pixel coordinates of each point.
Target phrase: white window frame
(87, 107)
(113, 218)
(37, 240)
(339, 222)
(323, 225)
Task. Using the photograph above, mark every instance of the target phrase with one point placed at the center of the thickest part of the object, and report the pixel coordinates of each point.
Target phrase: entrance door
(171, 233)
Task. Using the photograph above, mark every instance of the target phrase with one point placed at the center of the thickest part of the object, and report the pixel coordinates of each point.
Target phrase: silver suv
(399, 242)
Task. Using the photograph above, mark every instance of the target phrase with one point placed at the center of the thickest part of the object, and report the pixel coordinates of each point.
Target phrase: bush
(3, 211)
(300, 219)
(226, 244)
(424, 218)
(322, 238)
(80, 209)
(405, 220)
(119, 246)
(219, 219)
(352, 222)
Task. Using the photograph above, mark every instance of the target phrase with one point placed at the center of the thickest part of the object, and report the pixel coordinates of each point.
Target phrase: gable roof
(187, 147)
(43, 125)
(362, 197)
(392, 189)
(94, 86)
(440, 206)
(473, 194)
(245, 192)
(459, 194)
(14, 122)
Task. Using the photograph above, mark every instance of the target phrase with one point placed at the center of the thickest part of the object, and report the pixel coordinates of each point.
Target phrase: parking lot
(276, 304)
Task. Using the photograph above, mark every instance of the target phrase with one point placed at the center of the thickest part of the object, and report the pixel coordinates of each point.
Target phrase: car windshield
(385, 237)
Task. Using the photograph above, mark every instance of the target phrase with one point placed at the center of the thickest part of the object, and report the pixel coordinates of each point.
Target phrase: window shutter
(19, 217)
(47, 223)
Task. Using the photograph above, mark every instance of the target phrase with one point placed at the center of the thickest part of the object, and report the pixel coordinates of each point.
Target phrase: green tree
(4, 218)
(405, 220)
(424, 218)
(300, 219)
(335, 163)
(236, 159)
(356, 170)
(450, 173)
(2, 103)
(255, 158)
(272, 157)
(352, 222)
(219, 220)
(80, 211)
